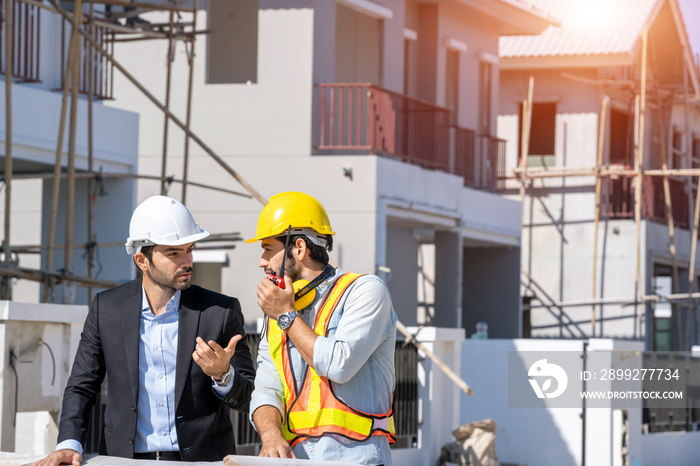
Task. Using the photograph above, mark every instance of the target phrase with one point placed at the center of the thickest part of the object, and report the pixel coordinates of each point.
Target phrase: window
(410, 36)
(619, 138)
(452, 84)
(662, 285)
(358, 47)
(542, 131)
(485, 88)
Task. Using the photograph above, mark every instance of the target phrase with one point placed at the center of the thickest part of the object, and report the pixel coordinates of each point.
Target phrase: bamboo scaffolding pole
(26, 176)
(591, 172)
(604, 172)
(695, 208)
(188, 117)
(67, 78)
(524, 150)
(90, 187)
(70, 179)
(669, 211)
(444, 367)
(176, 120)
(29, 248)
(43, 275)
(639, 161)
(626, 301)
(601, 147)
(147, 5)
(168, 80)
(525, 135)
(184, 35)
(9, 58)
(599, 82)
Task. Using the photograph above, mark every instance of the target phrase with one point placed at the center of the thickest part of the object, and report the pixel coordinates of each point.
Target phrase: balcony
(26, 40)
(364, 117)
(102, 68)
(620, 199)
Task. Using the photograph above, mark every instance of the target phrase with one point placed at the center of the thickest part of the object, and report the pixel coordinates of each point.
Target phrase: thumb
(231, 348)
(288, 283)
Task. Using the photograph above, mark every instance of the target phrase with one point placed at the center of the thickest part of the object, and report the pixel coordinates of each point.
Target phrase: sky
(691, 18)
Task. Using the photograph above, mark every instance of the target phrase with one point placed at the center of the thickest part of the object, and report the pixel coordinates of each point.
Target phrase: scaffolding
(647, 92)
(92, 37)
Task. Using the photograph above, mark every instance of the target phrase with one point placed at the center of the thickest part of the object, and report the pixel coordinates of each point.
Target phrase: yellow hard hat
(298, 210)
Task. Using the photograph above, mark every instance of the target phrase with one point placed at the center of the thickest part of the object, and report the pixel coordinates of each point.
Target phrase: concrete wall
(40, 341)
(543, 435)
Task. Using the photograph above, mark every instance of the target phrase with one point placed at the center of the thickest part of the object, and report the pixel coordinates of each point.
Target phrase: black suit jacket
(109, 344)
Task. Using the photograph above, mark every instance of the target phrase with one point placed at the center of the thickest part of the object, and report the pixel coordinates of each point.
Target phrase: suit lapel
(188, 326)
(131, 321)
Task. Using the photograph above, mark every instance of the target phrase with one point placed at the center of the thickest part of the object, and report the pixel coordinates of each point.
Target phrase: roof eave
(514, 19)
(566, 61)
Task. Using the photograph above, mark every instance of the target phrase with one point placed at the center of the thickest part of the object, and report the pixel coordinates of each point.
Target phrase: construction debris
(475, 445)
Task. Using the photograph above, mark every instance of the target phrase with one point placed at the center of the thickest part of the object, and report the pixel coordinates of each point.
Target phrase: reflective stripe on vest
(314, 410)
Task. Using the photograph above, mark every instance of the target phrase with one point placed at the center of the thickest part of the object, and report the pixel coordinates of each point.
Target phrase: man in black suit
(174, 354)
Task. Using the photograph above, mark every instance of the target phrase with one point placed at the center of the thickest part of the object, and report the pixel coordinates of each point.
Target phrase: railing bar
(341, 130)
(323, 116)
(331, 122)
(350, 118)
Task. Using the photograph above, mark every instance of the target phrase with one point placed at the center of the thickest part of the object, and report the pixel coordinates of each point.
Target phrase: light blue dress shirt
(357, 357)
(158, 337)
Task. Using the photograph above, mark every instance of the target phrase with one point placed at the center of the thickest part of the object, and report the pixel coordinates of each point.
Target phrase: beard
(160, 278)
(290, 269)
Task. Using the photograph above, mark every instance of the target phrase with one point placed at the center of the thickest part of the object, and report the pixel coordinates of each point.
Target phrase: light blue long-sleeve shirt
(357, 357)
(158, 336)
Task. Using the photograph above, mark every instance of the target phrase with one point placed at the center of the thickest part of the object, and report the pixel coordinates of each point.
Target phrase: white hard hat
(162, 220)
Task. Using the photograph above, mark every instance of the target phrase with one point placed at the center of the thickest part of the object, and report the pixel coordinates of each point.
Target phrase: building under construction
(609, 182)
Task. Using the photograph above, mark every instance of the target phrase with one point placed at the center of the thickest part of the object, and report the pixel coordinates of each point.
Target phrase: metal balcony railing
(366, 117)
(26, 40)
(465, 159)
(102, 68)
(620, 199)
(493, 156)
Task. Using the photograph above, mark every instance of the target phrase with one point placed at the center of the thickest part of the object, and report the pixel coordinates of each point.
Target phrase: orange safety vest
(314, 410)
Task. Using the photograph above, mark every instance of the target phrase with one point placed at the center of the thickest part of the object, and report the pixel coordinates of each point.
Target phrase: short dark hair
(316, 253)
(148, 252)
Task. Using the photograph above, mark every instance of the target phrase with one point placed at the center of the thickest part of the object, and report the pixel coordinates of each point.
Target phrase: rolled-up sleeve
(268, 385)
(363, 326)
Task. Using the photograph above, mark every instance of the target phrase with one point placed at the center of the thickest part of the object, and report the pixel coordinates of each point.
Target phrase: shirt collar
(172, 305)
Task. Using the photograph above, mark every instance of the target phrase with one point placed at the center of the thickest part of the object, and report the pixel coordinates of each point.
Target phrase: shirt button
(161, 403)
(160, 376)
(155, 347)
(164, 433)
(311, 448)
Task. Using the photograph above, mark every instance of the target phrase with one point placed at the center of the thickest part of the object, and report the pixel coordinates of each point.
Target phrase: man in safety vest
(325, 377)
